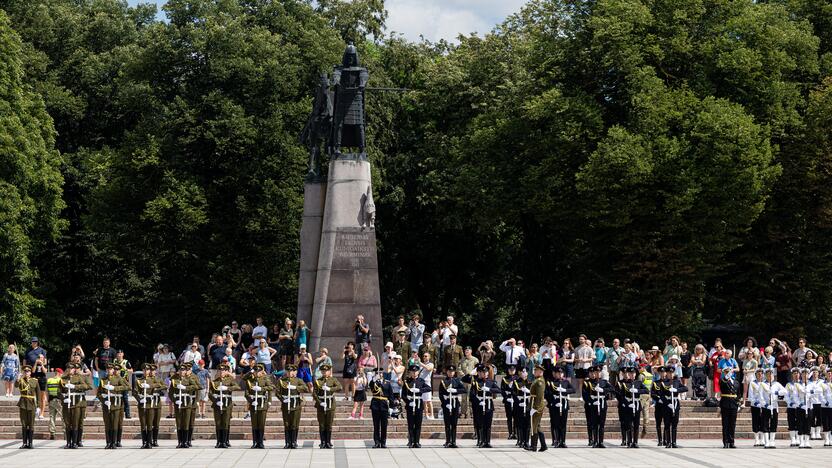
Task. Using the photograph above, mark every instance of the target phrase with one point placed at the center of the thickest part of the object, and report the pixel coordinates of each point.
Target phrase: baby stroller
(699, 382)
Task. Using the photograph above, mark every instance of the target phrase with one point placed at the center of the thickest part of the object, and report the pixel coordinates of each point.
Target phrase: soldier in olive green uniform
(289, 389)
(258, 387)
(28, 403)
(157, 415)
(184, 389)
(110, 394)
(147, 392)
(73, 389)
(538, 404)
(219, 392)
(324, 395)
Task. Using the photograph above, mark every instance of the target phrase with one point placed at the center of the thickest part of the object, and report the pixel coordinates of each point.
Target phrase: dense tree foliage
(633, 167)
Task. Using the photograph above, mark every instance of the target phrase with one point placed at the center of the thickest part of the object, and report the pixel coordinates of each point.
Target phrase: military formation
(525, 400)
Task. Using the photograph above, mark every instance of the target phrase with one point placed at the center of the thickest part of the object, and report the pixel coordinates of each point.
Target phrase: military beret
(325, 367)
(413, 368)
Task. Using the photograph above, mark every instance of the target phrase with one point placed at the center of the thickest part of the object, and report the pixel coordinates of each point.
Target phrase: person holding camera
(416, 331)
(350, 370)
(362, 331)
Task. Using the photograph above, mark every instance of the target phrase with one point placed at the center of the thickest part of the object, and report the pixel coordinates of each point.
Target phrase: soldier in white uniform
(827, 408)
(770, 393)
(818, 399)
(805, 392)
(756, 407)
(792, 399)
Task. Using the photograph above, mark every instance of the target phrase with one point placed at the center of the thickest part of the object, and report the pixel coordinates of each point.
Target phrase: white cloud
(437, 19)
(445, 19)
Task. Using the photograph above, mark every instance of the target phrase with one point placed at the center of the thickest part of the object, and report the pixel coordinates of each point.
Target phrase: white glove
(486, 388)
(256, 388)
(291, 387)
(144, 385)
(451, 390)
(223, 388)
(672, 390)
(109, 387)
(143, 400)
(449, 406)
(533, 411)
(108, 403)
(181, 387)
(67, 400)
(69, 386)
(633, 390)
(325, 388)
(560, 389)
(599, 390)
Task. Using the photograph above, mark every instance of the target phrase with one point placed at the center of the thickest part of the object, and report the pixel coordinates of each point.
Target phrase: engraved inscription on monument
(354, 248)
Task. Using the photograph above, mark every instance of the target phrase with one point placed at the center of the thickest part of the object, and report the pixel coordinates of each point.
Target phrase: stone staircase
(697, 422)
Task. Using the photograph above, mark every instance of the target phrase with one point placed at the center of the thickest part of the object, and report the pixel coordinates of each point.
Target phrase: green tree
(30, 189)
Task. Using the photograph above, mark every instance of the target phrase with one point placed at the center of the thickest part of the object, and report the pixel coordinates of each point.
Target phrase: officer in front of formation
(289, 389)
(382, 392)
(148, 391)
(595, 393)
(258, 387)
(481, 396)
(184, 389)
(323, 393)
(28, 403)
(450, 390)
(628, 391)
(557, 396)
(537, 405)
(73, 390)
(413, 387)
(671, 389)
(110, 392)
(729, 399)
(507, 387)
(522, 399)
(220, 393)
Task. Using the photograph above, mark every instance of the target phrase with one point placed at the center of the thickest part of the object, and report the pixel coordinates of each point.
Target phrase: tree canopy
(630, 167)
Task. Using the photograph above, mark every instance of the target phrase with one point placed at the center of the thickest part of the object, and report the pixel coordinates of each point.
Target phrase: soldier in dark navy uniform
(729, 404)
(413, 387)
(481, 396)
(629, 391)
(381, 392)
(451, 391)
(595, 392)
(507, 387)
(671, 391)
(557, 391)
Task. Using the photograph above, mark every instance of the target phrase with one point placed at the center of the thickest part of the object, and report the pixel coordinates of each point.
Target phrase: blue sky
(437, 19)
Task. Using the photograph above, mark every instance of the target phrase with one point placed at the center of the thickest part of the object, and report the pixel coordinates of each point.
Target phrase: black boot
(68, 437)
(79, 442)
(178, 438)
(533, 446)
(155, 441)
(31, 439)
(254, 438)
(108, 439)
(321, 445)
(542, 439)
(24, 438)
(218, 433)
(286, 438)
(295, 438)
(118, 437)
(72, 439)
(227, 440)
(190, 436)
(146, 442)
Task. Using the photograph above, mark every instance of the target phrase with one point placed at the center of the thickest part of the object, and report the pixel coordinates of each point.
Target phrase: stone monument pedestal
(339, 262)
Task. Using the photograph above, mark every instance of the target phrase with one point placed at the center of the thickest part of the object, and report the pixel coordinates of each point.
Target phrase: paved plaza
(357, 454)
